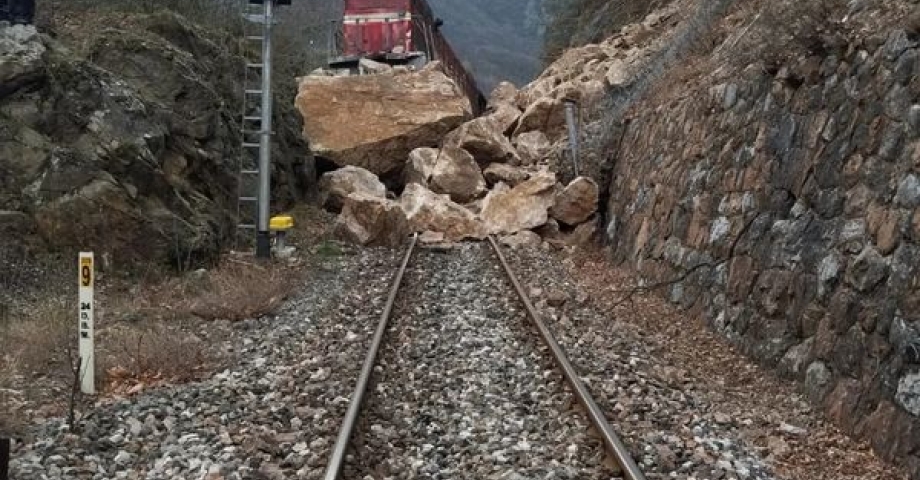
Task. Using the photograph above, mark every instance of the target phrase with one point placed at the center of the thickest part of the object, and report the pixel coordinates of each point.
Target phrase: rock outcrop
(375, 121)
(127, 154)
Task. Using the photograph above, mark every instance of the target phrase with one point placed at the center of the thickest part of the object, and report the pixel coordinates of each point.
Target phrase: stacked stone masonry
(790, 200)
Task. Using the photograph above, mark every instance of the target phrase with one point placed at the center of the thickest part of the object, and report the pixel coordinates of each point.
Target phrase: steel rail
(595, 414)
(337, 460)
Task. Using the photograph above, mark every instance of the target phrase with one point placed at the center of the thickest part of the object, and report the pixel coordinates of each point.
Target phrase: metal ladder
(251, 127)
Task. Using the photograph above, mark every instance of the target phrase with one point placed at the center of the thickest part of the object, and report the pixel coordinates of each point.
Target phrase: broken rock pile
(477, 180)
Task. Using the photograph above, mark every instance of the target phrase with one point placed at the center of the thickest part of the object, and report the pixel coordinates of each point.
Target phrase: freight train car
(397, 32)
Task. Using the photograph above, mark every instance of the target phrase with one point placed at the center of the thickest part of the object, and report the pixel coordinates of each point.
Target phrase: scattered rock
(429, 237)
(504, 173)
(335, 186)
(427, 210)
(546, 115)
(583, 234)
(524, 207)
(556, 298)
(505, 118)
(533, 147)
(421, 164)
(373, 221)
(484, 139)
(504, 93)
(792, 430)
(577, 202)
(372, 67)
(455, 173)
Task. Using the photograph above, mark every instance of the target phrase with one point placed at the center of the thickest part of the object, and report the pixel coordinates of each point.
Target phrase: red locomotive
(397, 32)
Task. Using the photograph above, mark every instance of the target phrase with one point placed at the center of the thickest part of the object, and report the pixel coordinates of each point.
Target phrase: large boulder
(509, 210)
(457, 174)
(484, 139)
(372, 221)
(336, 185)
(576, 202)
(375, 121)
(429, 211)
(449, 170)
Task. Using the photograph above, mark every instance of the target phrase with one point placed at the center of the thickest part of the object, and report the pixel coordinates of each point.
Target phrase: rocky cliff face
(782, 201)
(130, 152)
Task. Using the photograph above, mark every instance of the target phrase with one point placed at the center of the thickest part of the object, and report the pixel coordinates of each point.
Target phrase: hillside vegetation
(571, 23)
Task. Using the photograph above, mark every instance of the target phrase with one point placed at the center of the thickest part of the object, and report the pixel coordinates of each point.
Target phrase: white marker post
(87, 362)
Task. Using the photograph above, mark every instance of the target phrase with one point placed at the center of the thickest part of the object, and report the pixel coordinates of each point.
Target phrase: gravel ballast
(463, 388)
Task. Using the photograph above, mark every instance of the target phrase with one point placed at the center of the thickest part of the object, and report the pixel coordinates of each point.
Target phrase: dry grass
(239, 289)
(46, 340)
(38, 350)
(140, 355)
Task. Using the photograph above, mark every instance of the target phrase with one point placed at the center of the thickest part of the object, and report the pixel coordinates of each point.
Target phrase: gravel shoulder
(271, 414)
(704, 384)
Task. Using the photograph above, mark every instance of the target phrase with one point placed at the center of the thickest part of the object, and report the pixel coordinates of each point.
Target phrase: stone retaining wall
(791, 202)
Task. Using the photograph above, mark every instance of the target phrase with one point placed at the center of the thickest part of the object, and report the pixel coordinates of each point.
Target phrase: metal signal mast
(254, 197)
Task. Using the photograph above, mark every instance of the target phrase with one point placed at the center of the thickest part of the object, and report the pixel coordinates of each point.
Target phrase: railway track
(463, 390)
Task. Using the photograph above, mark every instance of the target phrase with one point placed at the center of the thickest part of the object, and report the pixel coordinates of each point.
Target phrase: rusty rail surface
(337, 460)
(595, 415)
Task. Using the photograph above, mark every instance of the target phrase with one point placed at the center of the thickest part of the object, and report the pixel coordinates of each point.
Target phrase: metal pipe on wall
(570, 106)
